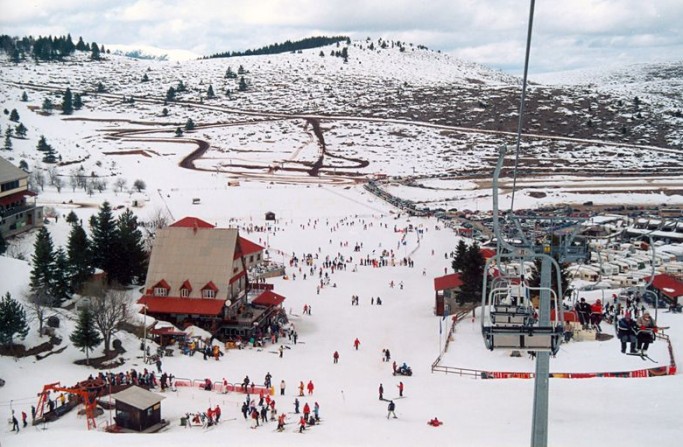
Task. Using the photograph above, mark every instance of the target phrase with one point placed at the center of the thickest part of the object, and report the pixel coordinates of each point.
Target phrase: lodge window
(251, 259)
(160, 291)
(208, 293)
(184, 293)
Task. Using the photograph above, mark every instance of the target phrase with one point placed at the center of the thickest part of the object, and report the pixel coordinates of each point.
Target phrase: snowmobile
(404, 370)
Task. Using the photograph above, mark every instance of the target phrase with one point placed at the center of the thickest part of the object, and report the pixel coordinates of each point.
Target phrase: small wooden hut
(138, 410)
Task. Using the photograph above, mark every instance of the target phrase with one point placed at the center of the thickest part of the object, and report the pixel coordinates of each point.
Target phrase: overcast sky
(567, 33)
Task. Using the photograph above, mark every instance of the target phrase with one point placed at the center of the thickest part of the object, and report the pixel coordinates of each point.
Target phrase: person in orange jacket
(596, 315)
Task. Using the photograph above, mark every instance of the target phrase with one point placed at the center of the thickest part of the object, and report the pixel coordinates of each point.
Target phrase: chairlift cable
(520, 120)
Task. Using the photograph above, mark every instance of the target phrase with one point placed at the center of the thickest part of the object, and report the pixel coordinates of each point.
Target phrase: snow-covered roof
(138, 397)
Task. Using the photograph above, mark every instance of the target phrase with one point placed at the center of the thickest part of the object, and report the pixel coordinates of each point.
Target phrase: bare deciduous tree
(120, 183)
(110, 309)
(157, 221)
(38, 178)
(52, 175)
(39, 303)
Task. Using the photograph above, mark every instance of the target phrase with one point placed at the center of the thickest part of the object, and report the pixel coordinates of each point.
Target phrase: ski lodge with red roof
(669, 289)
(447, 288)
(198, 275)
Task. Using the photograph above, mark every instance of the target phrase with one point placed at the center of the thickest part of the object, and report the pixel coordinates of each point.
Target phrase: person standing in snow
(254, 418)
(296, 405)
(400, 389)
(335, 357)
(356, 343)
(282, 350)
(381, 392)
(391, 409)
(282, 387)
(307, 410)
(301, 388)
(310, 387)
(15, 423)
(316, 411)
(302, 424)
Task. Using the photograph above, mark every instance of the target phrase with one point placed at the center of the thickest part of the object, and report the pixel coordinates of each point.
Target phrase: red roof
(162, 284)
(192, 222)
(669, 285)
(190, 306)
(448, 282)
(487, 253)
(268, 298)
(211, 286)
(186, 285)
(249, 247)
(17, 196)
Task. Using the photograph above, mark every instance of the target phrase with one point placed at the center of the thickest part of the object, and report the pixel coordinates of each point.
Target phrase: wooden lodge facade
(138, 410)
(198, 275)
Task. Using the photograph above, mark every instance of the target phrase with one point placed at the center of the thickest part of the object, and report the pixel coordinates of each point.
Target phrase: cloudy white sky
(567, 33)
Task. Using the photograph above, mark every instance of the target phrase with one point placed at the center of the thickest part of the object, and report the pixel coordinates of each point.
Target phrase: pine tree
(20, 130)
(12, 320)
(85, 336)
(94, 52)
(101, 88)
(189, 124)
(79, 256)
(80, 45)
(145, 78)
(132, 256)
(60, 282)
(460, 253)
(24, 96)
(14, 115)
(178, 132)
(43, 261)
(47, 105)
(67, 103)
(209, 92)
(535, 277)
(104, 236)
(181, 87)
(243, 85)
(472, 275)
(8, 139)
(78, 101)
(42, 144)
(72, 218)
(170, 94)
